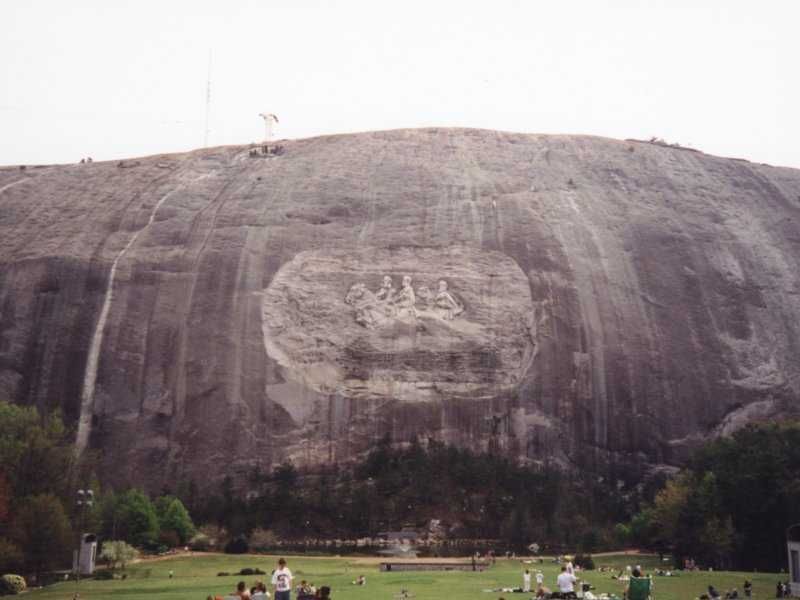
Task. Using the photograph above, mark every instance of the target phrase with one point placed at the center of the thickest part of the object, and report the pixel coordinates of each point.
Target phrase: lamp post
(83, 499)
(793, 550)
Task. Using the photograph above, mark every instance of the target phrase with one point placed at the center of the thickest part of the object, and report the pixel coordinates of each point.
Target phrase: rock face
(570, 299)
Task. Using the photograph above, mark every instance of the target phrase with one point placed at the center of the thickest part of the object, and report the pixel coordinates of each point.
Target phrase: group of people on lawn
(281, 586)
(566, 582)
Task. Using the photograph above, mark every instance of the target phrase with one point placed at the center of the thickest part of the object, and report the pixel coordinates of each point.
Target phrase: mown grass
(195, 577)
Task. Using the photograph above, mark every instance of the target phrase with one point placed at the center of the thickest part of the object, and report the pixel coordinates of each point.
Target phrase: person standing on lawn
(566, 583)
(282, 581)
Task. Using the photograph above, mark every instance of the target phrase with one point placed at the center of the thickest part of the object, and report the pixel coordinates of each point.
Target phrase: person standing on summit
(282, 581)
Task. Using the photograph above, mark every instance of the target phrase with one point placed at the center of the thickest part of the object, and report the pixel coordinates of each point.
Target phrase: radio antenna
(208, 99)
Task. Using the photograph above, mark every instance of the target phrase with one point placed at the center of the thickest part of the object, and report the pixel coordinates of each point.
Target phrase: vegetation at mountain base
(728, 508)
(731, 505)
(39, 516)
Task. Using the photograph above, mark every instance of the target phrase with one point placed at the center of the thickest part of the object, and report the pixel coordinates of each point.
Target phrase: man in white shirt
(282, 581)
(526, 581)
(566, 582)
(539, 580)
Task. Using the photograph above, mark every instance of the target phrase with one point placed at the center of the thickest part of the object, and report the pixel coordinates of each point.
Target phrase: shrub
(155, 548)
(585, 561)
(262, 539)
(169, 538)
(104, 575)
(11, 558)
(117, 552)
(200, 543)
(237, 545)
(223, 574)
(12, 584)
(217, 536)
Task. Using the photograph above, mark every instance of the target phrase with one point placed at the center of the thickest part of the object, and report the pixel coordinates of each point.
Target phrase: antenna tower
(269, 119)
(208, 99)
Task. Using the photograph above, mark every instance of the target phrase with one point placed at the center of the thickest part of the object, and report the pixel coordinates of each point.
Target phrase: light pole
(83, 499)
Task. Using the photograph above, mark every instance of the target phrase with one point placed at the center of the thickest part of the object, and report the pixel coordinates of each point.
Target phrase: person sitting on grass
(259, 590)
(638, 586)
(256, 587)
(242, 591)
(323, 593)
(304, 591)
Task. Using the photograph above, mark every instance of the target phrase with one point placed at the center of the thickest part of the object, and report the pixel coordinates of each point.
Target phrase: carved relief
(415, 324)
(385, 306)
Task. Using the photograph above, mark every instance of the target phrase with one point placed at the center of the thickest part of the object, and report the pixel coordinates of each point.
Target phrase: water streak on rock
(90, 375)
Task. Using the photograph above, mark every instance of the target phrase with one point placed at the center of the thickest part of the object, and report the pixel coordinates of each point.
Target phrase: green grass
(195, 578)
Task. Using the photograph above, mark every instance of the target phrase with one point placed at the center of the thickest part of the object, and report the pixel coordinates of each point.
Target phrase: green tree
(732, 503)
(36, 455)
(136, 520)
(41, 527)
(173, 516)
(622, 535)
(108, 510)
(516, 529)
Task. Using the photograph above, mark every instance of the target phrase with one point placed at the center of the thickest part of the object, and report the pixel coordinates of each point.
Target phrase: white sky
(112, 79)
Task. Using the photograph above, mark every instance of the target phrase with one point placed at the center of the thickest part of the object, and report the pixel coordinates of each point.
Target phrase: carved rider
(445, 302)
(406, 299)
(425, 296)
(386, 293)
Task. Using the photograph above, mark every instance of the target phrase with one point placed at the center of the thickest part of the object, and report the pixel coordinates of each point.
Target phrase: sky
(118, 79)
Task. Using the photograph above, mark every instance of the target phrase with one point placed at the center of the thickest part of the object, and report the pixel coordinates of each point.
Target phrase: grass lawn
(195, 576)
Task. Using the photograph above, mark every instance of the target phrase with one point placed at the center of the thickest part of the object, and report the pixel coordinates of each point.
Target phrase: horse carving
(374, 310)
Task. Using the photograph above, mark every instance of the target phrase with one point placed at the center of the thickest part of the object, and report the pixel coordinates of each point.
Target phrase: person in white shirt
(282, 581)
(526, 581)
(539, 580)
(566, 582)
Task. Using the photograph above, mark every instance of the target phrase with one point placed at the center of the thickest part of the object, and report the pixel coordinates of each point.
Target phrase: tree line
(730, 507)
(472, 495)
